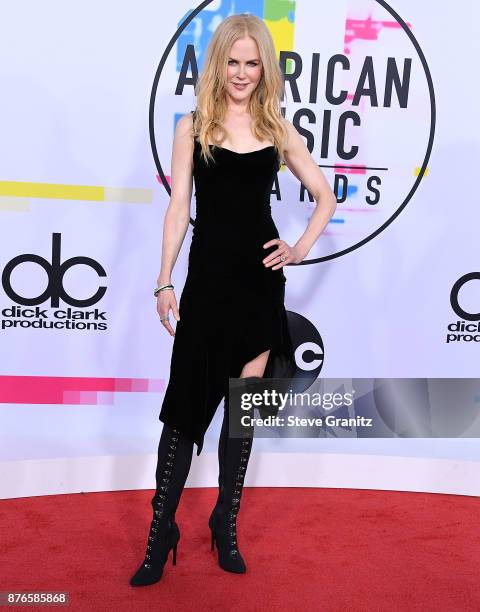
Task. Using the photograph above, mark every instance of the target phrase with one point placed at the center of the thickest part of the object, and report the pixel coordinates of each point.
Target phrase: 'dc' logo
(55, 272)
(463, 314)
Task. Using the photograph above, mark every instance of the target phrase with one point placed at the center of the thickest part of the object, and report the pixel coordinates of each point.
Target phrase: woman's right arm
(177, 215)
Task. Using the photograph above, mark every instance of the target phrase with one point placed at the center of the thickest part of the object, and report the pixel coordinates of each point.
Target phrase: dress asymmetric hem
(232, 306)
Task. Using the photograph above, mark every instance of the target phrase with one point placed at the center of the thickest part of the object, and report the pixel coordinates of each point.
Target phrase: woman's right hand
(167, 301)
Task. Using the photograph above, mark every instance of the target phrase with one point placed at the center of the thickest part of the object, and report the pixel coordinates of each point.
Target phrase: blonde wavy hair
(264, 103)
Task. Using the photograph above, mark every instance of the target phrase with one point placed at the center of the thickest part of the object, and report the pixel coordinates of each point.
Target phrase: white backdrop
(80, 390)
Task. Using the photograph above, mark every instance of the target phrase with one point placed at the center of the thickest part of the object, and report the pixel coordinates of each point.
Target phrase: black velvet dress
(232, 306)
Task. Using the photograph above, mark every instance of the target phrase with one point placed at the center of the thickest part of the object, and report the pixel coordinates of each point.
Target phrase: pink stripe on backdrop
(71, 389)
(352, 169)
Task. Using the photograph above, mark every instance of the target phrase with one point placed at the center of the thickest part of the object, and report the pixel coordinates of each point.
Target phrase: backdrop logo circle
(308, 348)
(358, 89)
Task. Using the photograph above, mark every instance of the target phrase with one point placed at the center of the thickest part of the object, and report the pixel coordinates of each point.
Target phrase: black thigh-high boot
(234, 453)
(221, 461)
(173, 464)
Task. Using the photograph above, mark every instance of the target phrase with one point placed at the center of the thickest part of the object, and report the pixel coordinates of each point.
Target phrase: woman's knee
(256, 367)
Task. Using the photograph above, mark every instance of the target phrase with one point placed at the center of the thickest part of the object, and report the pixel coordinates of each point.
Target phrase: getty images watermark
(355, 407)
(277, 401)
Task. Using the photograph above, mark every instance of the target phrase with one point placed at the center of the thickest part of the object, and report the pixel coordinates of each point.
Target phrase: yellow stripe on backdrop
(17, 189)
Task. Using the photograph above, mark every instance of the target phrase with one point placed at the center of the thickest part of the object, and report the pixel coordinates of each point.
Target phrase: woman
(231, 320)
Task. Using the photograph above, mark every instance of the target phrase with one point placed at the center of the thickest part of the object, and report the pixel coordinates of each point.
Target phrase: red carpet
(312, 549)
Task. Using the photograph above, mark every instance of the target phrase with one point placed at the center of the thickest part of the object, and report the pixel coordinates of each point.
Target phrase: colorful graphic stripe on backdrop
(94, 193)
(72, 389)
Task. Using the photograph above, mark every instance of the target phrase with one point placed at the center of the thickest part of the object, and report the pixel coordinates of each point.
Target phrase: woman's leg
(174, 458)
(233, 454)
(256, 367)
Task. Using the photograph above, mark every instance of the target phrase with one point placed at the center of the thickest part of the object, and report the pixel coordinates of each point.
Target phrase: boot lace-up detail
(160, 499)
(223, 522)
(174, 459)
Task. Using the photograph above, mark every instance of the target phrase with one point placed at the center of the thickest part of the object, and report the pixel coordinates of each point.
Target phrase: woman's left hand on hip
(284, 254)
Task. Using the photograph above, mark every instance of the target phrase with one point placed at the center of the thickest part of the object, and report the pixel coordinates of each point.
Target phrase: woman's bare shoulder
(292, 134)
(288, 125)
(184, 125)
(183, 136)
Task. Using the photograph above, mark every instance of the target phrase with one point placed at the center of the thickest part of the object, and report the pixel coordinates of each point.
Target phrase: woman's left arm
(300, 162)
